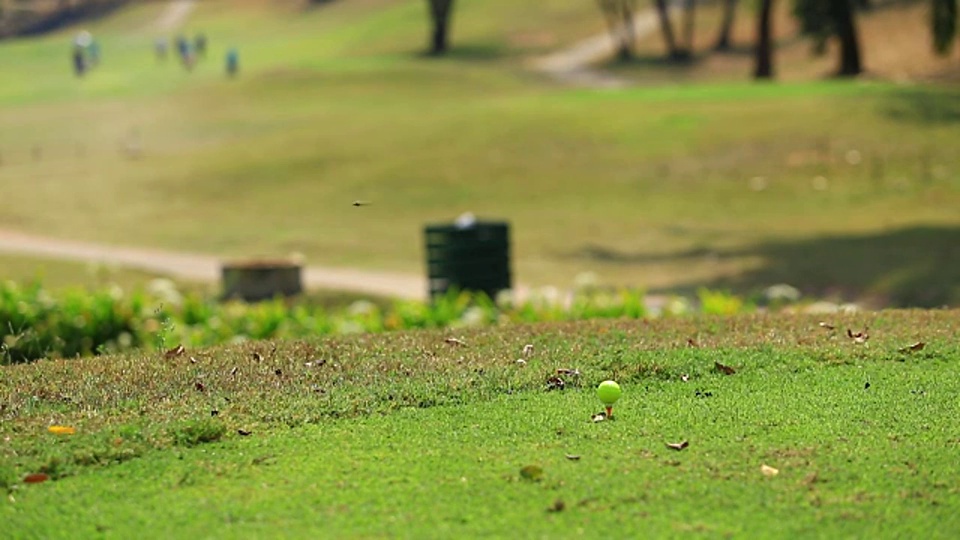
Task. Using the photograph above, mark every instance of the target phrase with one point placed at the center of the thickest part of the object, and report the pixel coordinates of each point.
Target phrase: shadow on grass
(467, 53)
(924, 106)
(910, 267)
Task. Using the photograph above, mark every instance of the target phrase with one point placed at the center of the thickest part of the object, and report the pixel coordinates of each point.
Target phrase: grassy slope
(56, 274)
(647, 186)
(413, 438)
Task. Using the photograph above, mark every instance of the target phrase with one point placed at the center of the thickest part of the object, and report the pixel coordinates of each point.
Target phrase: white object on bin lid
(465, 221)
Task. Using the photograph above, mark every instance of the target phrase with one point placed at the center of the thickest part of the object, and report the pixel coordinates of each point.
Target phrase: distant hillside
(25, 17)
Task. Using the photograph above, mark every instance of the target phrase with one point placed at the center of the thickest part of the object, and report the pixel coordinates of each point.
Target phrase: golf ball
(608, 392)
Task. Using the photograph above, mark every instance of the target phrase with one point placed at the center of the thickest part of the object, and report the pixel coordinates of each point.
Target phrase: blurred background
(663, 146)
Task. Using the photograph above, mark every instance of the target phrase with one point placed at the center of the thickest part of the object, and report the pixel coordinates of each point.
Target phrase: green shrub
(36, 324)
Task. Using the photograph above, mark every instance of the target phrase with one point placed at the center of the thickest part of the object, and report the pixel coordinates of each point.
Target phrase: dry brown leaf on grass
(918, 346)
(726, 370)
(858, 337)
(768, 470)
(35, 478)
(175, 352)
(564, 371)
(827, 326)
(572, 457)
(455, 341)
(555, 383)
(678, 446)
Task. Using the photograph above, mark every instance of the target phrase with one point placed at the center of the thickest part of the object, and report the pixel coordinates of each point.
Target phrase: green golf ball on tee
(609, 392)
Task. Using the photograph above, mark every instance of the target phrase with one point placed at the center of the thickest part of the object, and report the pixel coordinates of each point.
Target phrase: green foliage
(815, 21)
(943, 24)
(196, 432)
(721, 303)
(38, 323)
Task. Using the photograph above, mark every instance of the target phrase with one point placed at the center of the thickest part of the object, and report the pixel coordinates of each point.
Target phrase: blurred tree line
(820, 20)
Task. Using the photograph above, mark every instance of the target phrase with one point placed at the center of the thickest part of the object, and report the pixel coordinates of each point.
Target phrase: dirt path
(572, 65)
(206, 268)
(174, 15)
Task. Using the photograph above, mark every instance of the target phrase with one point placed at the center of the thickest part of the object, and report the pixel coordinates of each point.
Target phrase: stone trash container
(468, 255)
(256, 280)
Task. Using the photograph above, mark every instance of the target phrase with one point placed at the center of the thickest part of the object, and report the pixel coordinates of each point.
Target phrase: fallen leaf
(531, 472)
(679, 445)
(263, 460)
(572, 457)
(244, 433)
(685, 377)
(35, 478)
(726, 370)
(826, 326)
(258, 357)
(859, 337)
(193, 360)
(527, 350)
(768, 470)
(199, 386)
(599, 417)
(62, 430)
(555, 383)
(455, 341)
(175, 352)
(918, 346)
(521, 362)
(234, 371)
(558, 506)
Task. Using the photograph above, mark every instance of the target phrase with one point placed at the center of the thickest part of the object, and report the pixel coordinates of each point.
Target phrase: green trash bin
(468, 256)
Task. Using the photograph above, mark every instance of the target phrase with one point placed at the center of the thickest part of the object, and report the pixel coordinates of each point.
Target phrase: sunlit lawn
(666, 187)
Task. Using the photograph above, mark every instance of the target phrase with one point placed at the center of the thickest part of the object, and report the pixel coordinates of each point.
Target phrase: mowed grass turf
(839, 188)
(406, 435)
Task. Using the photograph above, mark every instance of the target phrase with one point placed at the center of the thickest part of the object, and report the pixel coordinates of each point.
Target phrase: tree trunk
(627, 38)
(440, 15)
(619, 17)
(847, 34)
(689, 10)
(666, 28)
(764, 68)
(943, 25)
(726, 25)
